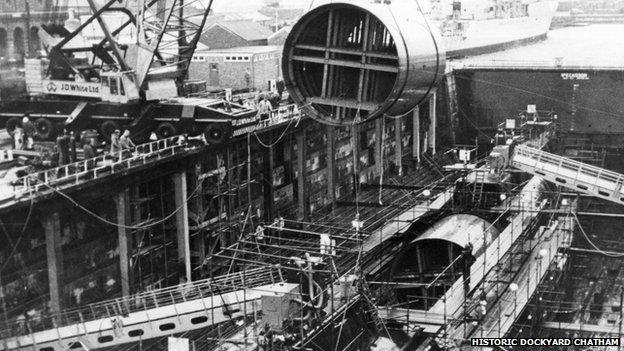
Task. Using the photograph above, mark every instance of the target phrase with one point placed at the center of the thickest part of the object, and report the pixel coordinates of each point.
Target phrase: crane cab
(118, 87)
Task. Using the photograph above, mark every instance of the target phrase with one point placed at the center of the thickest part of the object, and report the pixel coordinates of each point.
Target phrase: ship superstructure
(475, 27)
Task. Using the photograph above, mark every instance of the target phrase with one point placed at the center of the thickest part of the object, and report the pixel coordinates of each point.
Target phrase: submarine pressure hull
(349, 62)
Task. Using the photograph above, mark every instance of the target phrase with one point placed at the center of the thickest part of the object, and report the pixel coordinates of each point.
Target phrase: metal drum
(348, 62)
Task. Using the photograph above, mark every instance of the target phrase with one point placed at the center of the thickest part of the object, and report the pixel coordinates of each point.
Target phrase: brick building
(237, 68)
(231, 34)
(19, 26)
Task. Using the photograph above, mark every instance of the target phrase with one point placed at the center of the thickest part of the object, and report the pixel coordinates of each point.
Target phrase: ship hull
(489, 35)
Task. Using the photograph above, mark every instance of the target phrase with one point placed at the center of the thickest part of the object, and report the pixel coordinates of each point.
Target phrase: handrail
(146, 300)
(582, 168)
(94, 167)
(280, 115)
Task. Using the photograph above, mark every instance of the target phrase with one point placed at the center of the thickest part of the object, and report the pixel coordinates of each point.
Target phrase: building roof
(283, 14)
(243, 50)
(246, 29)
(279, 37)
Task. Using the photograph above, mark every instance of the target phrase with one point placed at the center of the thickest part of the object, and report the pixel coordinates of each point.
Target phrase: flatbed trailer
(192, 116)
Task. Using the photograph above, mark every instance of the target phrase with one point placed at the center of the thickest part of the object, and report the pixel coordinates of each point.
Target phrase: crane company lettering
(72, 88)
(575, 76)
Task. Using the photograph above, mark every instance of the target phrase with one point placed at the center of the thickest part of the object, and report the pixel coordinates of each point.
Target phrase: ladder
(374, 313)
(578, 176)
(477, 189)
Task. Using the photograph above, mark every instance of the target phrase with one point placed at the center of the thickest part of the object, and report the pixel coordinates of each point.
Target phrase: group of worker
(66, 148)
(120, 141)
(24, 135)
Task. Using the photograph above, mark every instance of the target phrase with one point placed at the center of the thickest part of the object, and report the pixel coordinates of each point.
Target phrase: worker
(259, 233)
(89, 149)
(73, 157)
(18, 138)
(328, 245)
(467, 260)
(274, 100)
(264, 108)
(125, 142)
(115, 146)
(90, 152)
(29, 132)
(62, 142)
(247, 78)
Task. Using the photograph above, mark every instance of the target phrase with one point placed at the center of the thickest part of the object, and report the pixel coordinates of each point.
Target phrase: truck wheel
(217, 133)
(45, 128)
(166, 130)
(108, 127)
(11, 124)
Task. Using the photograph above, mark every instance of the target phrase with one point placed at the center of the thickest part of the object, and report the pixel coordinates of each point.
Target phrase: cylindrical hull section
(440, 245)
(353, 61)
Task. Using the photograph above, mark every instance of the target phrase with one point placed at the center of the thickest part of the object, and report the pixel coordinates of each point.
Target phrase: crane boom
(167, 34)
(167, 38)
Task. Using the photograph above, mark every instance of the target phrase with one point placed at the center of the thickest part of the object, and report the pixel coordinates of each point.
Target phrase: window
(167, 326)
(237, 58)
(199, 320)
(113, 86)
(121, 88)
(214, 67)
(135, 333)
(105, 339)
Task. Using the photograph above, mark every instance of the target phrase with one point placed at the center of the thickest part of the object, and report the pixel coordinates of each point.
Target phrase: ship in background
(474, 27)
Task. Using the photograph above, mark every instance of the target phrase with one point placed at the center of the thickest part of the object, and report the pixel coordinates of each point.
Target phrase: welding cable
(592, 244)
(106, 221)
(255, 133)
(311, 281)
